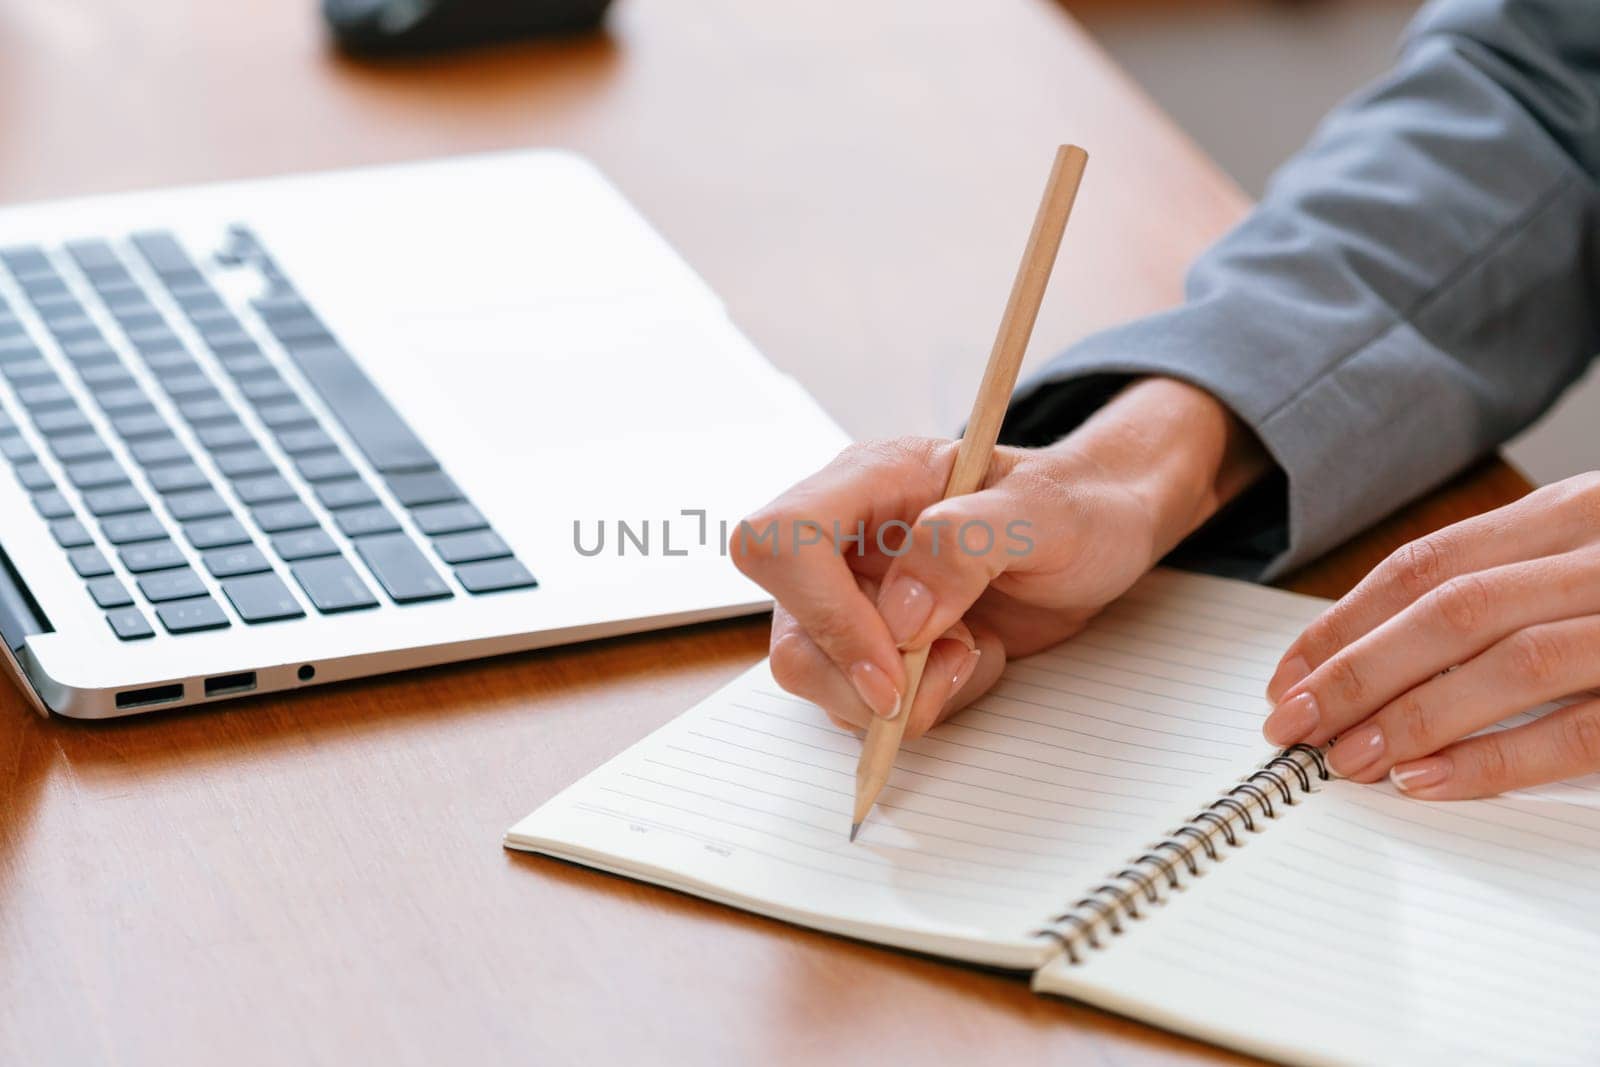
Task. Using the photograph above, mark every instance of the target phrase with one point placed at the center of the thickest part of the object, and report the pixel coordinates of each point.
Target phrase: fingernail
(964, 672)
(1290, 673)
(875, 689)
(1292, 721)
(1419, 776)
(1356, 751)
(905, 605)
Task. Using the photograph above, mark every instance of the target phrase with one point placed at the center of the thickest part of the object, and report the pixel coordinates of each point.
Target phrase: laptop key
(276, 518)
(264, 489)
(33, 477)
(233, 562)
(128, 529)
(242, 462)
(178, 478)
(44, 396)
(154, 556)
(367, 416)
(262, 598)
(163, 252)
(206, 409)
(99, 376)
(159, 452)
(428, 487)
(76, 447)
(184, 385)
(197, 504)
(88, 562)
(28, 372)
(471, 547)
(285, 415)
(448, 518)
(221, 436)
(189, 616)
(96, 474)
(346, 493)
(109, 593)
(129, 624)
(70, 533)
(62, 422)
(495, 575)
(15, 449)
(359, 522)
(304, 544)
(323, 466)
(264, 390)
(401, 568)
(216, 533)
(114, 500)
(298, 442)
(333, 585)
(119, 400)
(50, 504)
(136, 425)
(171, 585)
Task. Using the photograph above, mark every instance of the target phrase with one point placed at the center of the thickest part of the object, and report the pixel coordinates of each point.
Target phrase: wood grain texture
(318, 880)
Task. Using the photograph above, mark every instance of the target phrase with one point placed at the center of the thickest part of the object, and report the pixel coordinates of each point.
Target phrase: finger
(789, 548)
(803, 669)
(977, 676)
(1549, 520)
(1563, 744)
(1444, 628)
(948, 662)
(1524, 670)
(955, 549)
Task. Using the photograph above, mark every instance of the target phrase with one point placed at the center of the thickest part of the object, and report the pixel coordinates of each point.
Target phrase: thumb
(948, 558)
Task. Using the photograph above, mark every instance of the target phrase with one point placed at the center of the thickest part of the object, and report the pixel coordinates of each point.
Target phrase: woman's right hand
(1053, 536)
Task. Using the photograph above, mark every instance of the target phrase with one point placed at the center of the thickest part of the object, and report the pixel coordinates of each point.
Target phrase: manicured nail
(1356, 751)
(905, 605)
(875, 689)
(964, 672)
(1292, 721)
(1290, 673)
(1419, 776)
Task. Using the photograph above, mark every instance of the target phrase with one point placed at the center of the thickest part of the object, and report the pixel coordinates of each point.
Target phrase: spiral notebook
(1109, 820)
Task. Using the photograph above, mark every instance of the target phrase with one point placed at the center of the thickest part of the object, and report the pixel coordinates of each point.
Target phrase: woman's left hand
(1511, 601)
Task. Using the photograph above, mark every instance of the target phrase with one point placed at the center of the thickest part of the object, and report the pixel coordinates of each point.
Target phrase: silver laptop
(263, 435)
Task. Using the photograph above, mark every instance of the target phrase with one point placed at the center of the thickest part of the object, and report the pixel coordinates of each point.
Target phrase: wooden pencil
(983, 430)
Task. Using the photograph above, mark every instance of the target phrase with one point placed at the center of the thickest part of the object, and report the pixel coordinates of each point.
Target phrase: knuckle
(1463, 603)
(1582, 493)
(1535, 655)
(1580, 736)
(1420, 566)
(1323, 637)
(1494, 766)
(1408, 722)
(1345, 681)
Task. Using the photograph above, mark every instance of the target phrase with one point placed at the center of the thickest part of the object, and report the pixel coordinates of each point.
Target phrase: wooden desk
(318, 880)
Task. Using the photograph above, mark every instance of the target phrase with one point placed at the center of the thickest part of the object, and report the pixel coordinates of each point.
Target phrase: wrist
(1176, 447)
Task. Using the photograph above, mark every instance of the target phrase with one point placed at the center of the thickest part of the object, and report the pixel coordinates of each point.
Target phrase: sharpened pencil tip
(855, 828)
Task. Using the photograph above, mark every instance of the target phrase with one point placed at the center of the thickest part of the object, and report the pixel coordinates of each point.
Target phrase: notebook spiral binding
(1242, 810)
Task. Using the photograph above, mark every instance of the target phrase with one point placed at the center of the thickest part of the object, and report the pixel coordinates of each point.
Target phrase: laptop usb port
(156, 694)
(225, 684)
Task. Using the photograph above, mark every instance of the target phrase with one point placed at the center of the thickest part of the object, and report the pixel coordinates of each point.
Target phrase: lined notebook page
(1365, 928)
(991, 824)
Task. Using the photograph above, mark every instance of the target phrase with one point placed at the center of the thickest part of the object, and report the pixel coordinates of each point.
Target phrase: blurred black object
(384, 27)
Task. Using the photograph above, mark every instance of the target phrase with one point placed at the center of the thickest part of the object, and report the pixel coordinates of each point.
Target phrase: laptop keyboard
(111, 412)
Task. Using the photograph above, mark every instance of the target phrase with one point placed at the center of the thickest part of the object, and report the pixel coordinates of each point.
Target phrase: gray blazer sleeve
(1419, 283)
